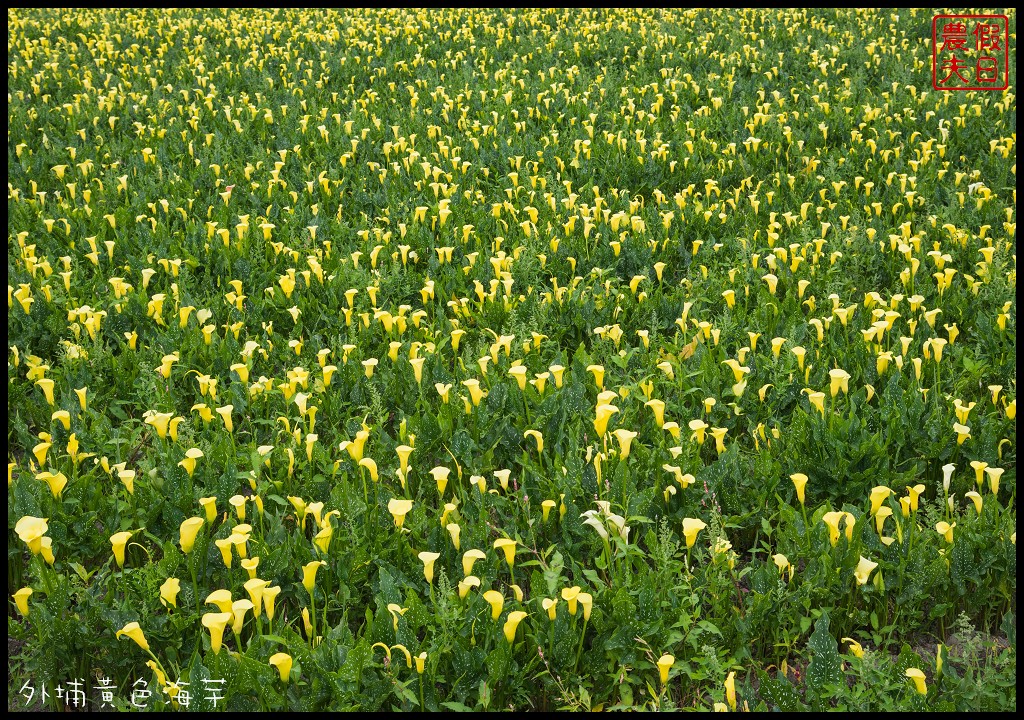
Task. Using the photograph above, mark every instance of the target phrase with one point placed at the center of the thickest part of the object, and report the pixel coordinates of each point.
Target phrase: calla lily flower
(283, 663)
(466, 584)
(118, 542)
(31, 530)
(604, 413)
(255, 588)
(665, 663)
(625, 439)
(169, 592)
(469, 558)
(863, 570)
(496, 600)
(551, 606)
(586, 600)
(133, 631)
(512, 623)
(238, 610)
(507, 546)
(855, 647)
(800, 483)
(189, 461)
(399, 508)
(730, 689)
(944, 529)
(309, 574)
(571, 597)
(917, 676)
(440, 475)
(215, 623)
(21, 600)
(691, 528)
(188, 531)
(428, 559)
(878, 496)
(269, 595)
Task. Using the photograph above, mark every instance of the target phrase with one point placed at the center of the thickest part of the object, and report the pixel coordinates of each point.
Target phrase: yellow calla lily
(169, 592)
(118, 542)
(512, 624)
(215, 623)
(133, 631)
(665, 663)
(428, 559)
(283, 663)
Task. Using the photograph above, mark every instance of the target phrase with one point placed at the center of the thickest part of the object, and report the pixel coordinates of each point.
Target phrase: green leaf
(825, 668)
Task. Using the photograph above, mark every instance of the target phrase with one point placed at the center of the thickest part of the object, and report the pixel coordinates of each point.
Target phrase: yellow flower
(496, 600)
(855, 647)
(421, 660)
(117, 542)
(665, 663)
(469, 558)
(220, 598)
(625, 439)
(557, 371)
(399, 508)
(428, 559)
(658, 408)
(40, 451)
(551, 606)
(31, 530)
(475, 393)
(283, 663)
(209, 505)
(963, 432)
(878, 496)
(538, 437)
(238, 503)
(993, 479)
(915, 493)
(598, 372)
(309, 574)
(269, 595)
(133, 631)
(512, 623)
(730, 690)
(832, 520)
(440, 475)
(466, 584)
(225, 414)
(189, 461)
(976, 499)
(587, 601)
(944, 529)
(188, 531)
(840, 380)
(215, 623)
(817, 399)
(800, 483)
(699, 428)
(507, 546)
(21, 600)
(863, 570)
(238, 610)
(250, 565)
(371, 465)
(169, 592)
(46, 385)
(546, 507)
(918, 677)
(255, 587)
(225, 545)
(800, 353)
(691, 528)
(444, 391)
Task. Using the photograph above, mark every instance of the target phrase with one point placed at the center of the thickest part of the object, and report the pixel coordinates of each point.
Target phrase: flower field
(483, 360)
